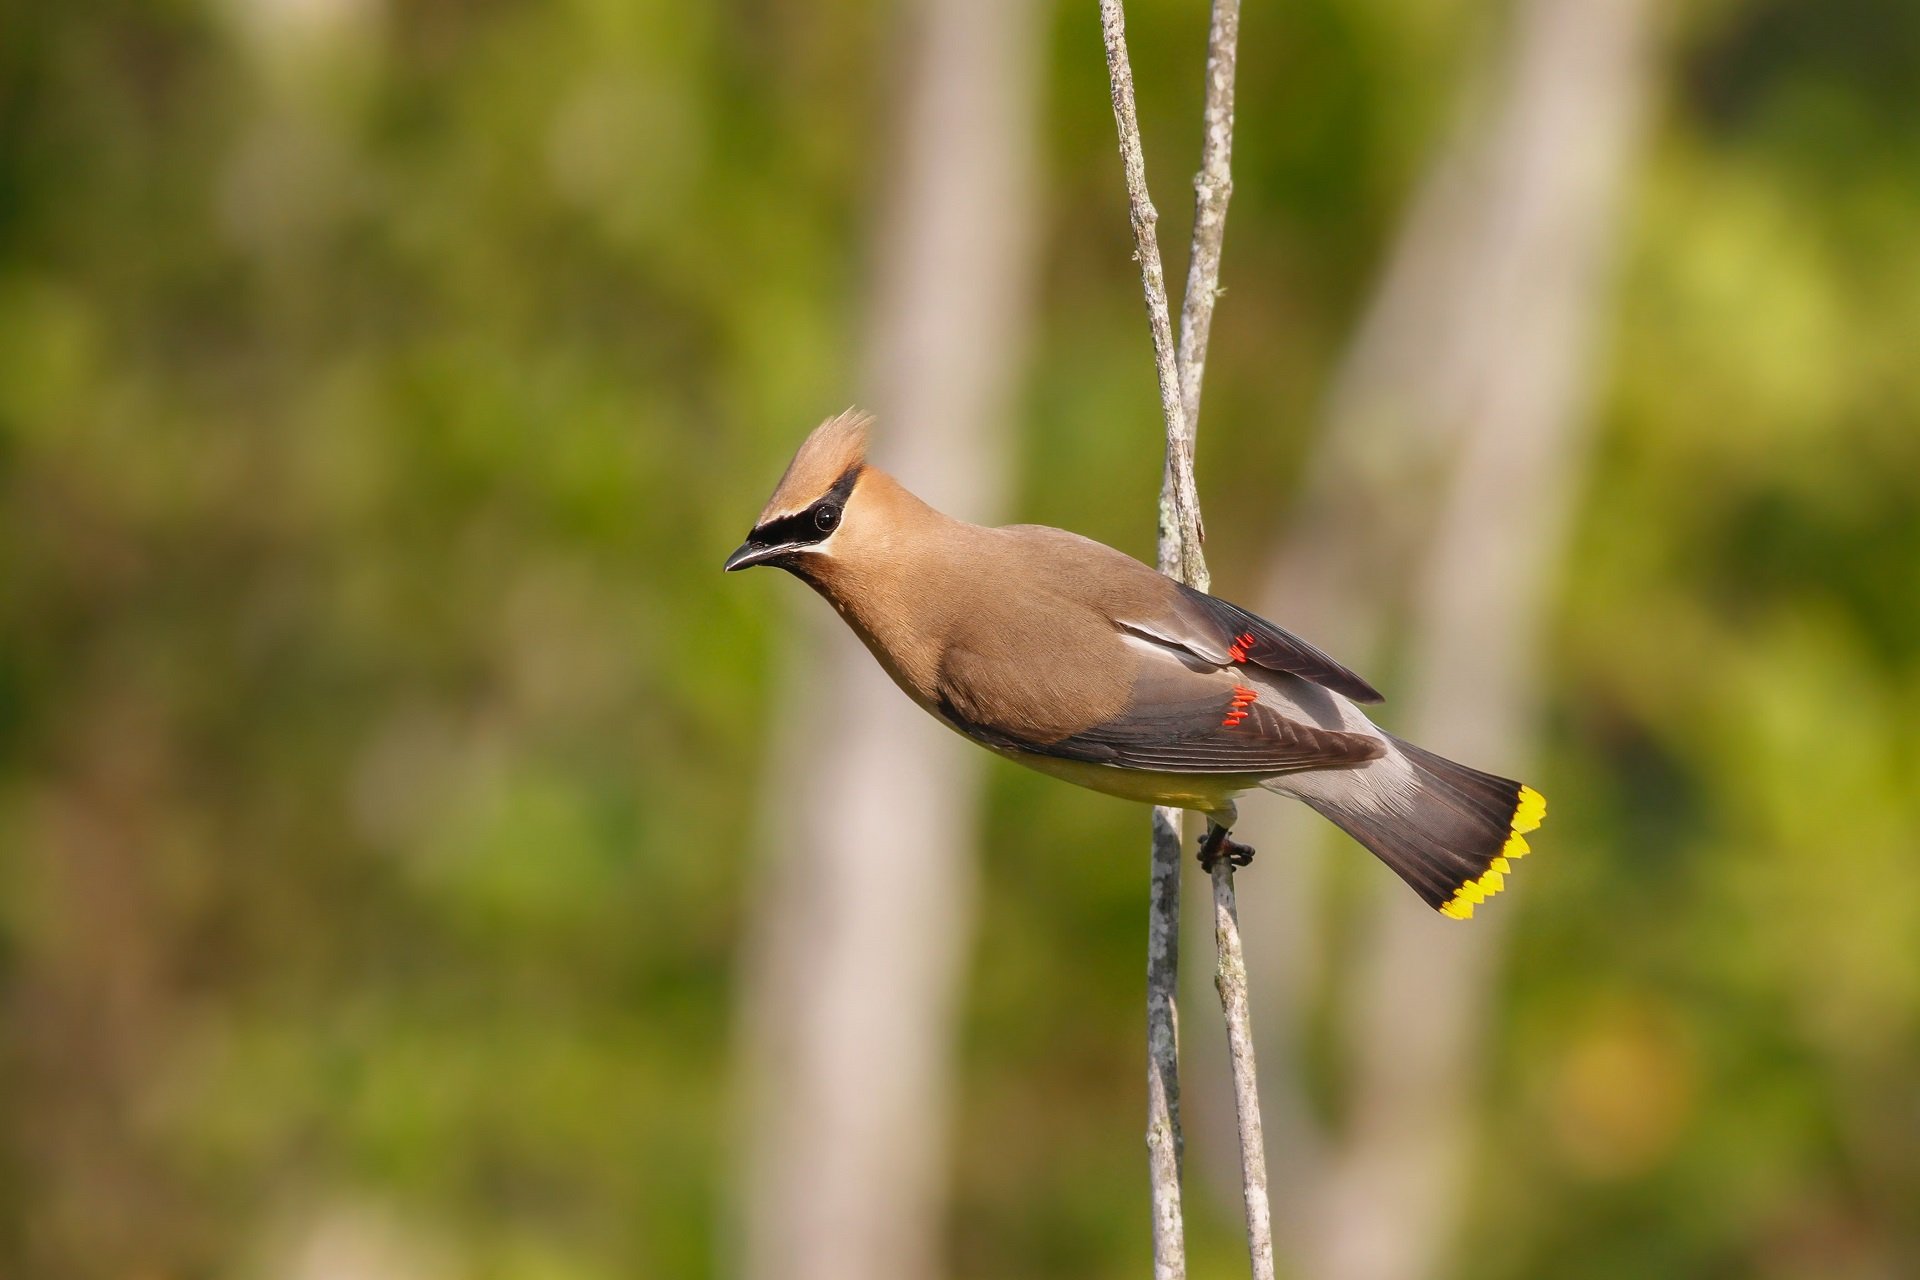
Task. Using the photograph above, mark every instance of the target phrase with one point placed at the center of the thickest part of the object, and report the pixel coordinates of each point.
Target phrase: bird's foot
(1216, 845)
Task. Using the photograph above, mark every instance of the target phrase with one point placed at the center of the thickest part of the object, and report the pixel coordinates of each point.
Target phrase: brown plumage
(1079, 661)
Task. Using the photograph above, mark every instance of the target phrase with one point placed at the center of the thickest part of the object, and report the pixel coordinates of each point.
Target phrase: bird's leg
(1215, 845)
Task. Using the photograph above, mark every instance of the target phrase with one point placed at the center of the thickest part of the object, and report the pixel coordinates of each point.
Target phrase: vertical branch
(1164, 1140)
(1231, 982)
(1213, 187)
(1180, 529)
(1181, 555)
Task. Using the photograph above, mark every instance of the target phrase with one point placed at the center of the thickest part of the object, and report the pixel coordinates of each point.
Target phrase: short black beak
(752, 553)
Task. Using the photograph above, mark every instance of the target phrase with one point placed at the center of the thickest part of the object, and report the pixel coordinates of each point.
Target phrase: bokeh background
(418, 861)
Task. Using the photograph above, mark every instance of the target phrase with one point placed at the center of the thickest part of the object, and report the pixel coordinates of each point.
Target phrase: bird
(1074, 659)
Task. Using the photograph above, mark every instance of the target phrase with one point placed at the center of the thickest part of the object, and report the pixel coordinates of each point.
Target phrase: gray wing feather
(1175, 723)
(1222, 633)
(1196, 737)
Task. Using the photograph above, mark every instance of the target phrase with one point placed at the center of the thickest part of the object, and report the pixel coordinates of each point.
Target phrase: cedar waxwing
(1076, 660)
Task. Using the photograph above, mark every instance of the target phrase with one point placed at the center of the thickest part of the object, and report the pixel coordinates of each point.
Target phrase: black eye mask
(815, 524)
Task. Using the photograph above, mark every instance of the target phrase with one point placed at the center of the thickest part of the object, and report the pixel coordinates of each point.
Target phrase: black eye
(826, 519)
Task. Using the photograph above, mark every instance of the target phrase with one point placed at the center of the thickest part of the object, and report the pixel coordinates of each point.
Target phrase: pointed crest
(835, 447)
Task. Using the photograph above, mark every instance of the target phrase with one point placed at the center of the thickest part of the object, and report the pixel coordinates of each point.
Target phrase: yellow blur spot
(1625, 1083)
(1527, 816)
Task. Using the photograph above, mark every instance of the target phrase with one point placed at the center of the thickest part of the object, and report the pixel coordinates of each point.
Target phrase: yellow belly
(1201, 792)
(1210, 793)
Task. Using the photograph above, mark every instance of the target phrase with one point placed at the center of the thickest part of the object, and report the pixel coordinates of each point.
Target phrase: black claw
(1215, 845)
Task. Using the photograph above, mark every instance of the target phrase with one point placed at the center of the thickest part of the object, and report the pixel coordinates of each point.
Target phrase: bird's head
(814, 500)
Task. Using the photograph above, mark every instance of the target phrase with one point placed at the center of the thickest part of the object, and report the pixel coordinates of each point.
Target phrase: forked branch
(1180, 553)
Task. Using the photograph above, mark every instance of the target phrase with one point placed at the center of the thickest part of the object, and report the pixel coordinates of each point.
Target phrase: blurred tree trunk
(1440, 497)
(865, 894)
(91, 997)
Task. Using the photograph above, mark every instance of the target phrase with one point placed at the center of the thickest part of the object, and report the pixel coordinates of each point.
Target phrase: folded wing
(1231, 735)
(1173, 720)
(1221, 633)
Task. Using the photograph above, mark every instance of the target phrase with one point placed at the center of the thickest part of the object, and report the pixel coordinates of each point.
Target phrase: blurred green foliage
(381, 384)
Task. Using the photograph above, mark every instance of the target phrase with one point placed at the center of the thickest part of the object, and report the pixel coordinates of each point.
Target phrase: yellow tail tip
(1528, 813)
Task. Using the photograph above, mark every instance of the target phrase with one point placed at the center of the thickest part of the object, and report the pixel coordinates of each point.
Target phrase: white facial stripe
(825, 544)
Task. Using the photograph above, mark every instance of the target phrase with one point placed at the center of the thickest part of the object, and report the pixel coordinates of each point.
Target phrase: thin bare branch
(1180, 529)
(1180, 552)
(1231, 981)
(1213, 187)
(1180, 555)
(1164, 1139)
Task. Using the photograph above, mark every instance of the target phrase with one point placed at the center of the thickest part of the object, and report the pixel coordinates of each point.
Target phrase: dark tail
(1455, 842)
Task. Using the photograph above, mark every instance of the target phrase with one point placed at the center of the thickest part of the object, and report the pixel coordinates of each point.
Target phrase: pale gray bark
(1180, 554)
(864, 897)
(1453, 437)
(1213, 188)
(1181, 530)
(1165, 1144)
(1230, 979)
